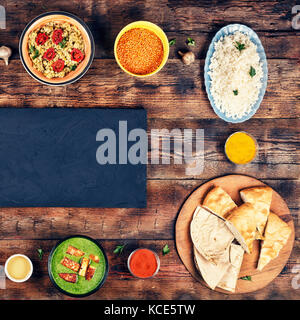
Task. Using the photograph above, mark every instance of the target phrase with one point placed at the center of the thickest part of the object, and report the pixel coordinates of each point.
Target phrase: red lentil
(140, 51)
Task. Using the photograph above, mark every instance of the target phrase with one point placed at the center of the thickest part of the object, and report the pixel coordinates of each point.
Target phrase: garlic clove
(187, 57)
(5, 53)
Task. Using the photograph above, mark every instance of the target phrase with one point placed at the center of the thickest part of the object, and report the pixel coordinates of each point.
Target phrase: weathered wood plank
(165, 197)
(107, 18)
(180, 21)
(273, 43)
(278, 140)
(172, 282)
(176, 92)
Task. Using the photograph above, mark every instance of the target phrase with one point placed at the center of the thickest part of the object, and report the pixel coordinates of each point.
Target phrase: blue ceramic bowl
(225, 31)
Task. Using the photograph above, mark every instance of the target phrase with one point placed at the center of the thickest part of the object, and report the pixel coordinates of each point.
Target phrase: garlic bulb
(187, 57)
(5, 53)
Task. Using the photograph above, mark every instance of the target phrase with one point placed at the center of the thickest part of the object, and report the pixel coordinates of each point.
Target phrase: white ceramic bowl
(29, 273)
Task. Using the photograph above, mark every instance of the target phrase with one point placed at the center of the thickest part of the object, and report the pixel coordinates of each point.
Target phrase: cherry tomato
(77, 55)
(41, 38)
(58, 65)
(49, 54)
(57, 36)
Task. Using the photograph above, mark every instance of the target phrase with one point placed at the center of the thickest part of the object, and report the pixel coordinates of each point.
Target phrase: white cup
(18, 280)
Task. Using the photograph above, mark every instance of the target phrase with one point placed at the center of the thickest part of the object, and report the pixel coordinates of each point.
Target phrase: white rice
(229, 71)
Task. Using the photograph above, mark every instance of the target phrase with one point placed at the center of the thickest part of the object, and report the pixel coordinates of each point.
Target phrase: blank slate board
(48, 159)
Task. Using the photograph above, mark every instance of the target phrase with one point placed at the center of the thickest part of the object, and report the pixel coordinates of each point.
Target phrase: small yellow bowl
(250, 159)
(151, 27)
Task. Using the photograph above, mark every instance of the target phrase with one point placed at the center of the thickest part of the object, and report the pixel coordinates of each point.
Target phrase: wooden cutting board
(232, 184)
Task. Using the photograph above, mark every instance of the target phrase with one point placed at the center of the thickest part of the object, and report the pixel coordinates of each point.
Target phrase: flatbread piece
(276, 236)
(210, 272)
(243, 218)
(219, 202)
(210, 235)
(261, 198)
(229, 280)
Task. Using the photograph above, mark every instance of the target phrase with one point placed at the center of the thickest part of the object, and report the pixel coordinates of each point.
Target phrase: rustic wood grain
(278, 154)
(106, 18)
(173, 281)
(174, 98)
(165, 198)
(273, 43)
(177, 91)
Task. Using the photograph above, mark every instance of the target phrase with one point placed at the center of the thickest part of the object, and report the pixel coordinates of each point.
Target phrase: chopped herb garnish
(166, 249)
(41, 253)
(252, 72)
(119, 249)
(63, 42)
(172, 42)
(190, 42)
(74, 66)
(236, 92)
(248, 278)
(35, 51)
(240, 46)
(31, 49)
(36, 54)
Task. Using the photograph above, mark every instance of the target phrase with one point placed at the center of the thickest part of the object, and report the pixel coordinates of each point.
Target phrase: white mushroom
(187, 57)
(5, 53)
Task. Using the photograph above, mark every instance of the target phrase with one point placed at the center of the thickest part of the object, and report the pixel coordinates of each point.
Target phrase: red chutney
(143, 263)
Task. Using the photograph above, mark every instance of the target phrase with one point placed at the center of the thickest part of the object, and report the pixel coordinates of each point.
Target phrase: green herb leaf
(74, 66)
(248, 278)
(190, 42)
(35, 51)
(252, 72)
(63, 42)
(36, 54)
(31, 49)
(236, 92)
(165, 249)
(172, 42)
(41, 253)
(119, 249)
(240, 46)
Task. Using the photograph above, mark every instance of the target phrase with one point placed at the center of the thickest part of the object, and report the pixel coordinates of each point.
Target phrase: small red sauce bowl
(143, 263)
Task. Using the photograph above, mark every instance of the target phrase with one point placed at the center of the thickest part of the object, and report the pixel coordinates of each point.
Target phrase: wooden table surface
(174, 98)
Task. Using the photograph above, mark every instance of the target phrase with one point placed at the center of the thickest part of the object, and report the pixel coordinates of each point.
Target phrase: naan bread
(229, 280)
(210, 272)
(257, 194)
(237, 235)
(223, 275)
(276, 236)
(219, 202)
(210, 236)
(261, 198)
(243, 218)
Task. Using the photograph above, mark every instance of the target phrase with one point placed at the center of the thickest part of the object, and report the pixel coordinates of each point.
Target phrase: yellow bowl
(151, 27)
(255, 152)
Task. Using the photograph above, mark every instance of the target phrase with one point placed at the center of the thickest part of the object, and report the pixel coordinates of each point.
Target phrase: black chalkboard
(48, 159)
